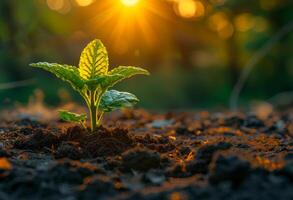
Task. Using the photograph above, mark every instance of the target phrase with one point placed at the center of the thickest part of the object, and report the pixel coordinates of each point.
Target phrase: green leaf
(128, 71)
(110, 80)
(113, 100)
(95, 82)
(104, 81)
(94, 60)
(120, 73)
(67, 73)
(72, 117)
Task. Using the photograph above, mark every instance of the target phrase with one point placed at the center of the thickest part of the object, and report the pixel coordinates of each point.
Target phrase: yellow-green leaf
(72, 117)
(128, 71)
(67, 73)
(94, 60)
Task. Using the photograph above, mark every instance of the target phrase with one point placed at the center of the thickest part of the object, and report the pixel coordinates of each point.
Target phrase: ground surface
(141, 155)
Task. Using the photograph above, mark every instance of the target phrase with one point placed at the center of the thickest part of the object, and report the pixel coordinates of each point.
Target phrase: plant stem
(100, 118)
(83, 124)
(93, 111)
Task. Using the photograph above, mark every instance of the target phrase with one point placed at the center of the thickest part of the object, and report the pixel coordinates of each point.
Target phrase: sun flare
(128, 21)
(130, 3)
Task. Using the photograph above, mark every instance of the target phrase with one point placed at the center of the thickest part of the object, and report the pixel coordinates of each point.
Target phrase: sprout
(91, 80)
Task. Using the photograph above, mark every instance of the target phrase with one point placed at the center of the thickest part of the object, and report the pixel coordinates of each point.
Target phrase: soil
(149, 156)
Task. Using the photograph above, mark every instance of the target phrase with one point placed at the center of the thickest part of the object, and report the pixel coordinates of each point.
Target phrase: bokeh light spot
(220, 23)
(244, 22)
(187, 8)
(55, 4)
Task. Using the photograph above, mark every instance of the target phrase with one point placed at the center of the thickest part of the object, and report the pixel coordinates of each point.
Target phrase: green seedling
(92, 80)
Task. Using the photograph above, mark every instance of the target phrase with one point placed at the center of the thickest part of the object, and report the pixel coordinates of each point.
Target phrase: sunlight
(130, 3)
(130, 20)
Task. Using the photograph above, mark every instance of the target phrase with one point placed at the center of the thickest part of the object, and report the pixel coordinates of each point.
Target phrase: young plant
(92, 80)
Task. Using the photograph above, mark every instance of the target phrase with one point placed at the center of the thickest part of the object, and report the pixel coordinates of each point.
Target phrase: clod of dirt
(69, 150)
(159, 144)
(204, 157)
(29, 122)
(75, 133)
(230, 169)
(77, 142)
(140, 159)
(41, 138)
(106, 142)
(206, 152)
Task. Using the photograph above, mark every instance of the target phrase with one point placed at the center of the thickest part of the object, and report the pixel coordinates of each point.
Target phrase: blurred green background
(195, 49)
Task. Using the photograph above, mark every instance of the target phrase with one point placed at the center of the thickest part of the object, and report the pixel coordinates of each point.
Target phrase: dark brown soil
(141, 155)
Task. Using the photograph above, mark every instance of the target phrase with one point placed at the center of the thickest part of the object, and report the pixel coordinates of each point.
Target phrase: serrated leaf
(72, 117)
(120, 73)
(94, 60)
(67, 73)
(128, 71)
(113, 100)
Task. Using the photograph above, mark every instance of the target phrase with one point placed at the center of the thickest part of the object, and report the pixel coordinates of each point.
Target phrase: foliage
(92, 79)
(114, 99)
(73, 117)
